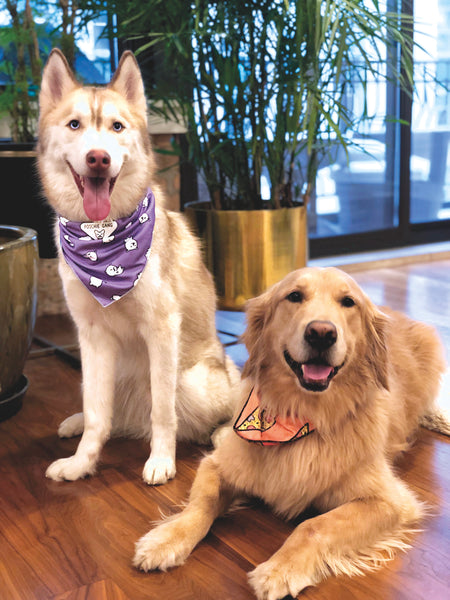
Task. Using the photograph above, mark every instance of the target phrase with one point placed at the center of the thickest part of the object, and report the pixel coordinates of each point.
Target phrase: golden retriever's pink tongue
(96, 200)
(316, 372)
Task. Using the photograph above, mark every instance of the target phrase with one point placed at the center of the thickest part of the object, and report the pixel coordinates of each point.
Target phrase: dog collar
(108, 256)
(256, 425)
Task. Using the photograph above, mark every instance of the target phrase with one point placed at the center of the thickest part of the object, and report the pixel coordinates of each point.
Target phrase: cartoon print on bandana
(130, 244)
(91, 255)
(69, 241)
(95, 281)
(255, 425)
(108, 257)
(113, 271)
(258, 419)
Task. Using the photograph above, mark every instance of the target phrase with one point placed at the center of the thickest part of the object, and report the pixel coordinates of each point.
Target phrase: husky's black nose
(98, 160)
(320, 335)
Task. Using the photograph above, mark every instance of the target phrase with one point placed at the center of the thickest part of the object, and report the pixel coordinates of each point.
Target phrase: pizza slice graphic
(256, 425)
(257, 420)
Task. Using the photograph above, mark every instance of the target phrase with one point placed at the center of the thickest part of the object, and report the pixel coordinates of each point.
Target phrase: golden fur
(387, 371)
(152, 364)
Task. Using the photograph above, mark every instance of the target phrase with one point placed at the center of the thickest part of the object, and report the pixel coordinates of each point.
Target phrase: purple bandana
(108, 257)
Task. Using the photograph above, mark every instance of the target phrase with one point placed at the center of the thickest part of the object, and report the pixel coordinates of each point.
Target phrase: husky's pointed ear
(127, 81)
(57, 80)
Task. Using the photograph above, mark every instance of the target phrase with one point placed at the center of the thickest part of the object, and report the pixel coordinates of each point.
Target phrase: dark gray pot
(18, 298)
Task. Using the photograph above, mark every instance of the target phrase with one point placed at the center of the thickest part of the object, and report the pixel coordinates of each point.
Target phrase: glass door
(356, 192)
(430, 123)
(395, 188)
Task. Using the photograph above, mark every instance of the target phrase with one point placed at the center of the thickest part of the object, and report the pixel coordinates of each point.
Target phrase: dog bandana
(255, 425)
(108, 257)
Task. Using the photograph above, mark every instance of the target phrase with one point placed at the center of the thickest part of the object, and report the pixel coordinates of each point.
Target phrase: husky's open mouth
(96, 194)
(314, 375)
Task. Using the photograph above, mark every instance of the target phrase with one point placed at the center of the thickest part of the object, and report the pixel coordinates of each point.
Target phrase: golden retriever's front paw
(69, 469)
(161, 548)
(158, 470)
(273, 581)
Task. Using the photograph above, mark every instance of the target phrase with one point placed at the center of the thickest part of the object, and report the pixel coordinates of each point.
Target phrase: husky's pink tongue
(316, 372)
(96, 200)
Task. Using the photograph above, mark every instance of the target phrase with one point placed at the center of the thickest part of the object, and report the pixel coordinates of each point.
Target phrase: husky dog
(133, 277)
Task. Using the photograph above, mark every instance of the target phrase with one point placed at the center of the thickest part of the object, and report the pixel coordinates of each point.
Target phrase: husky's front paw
(273, 580)
(69, 469)
(158, 470)
(161, 548)
(71, 426)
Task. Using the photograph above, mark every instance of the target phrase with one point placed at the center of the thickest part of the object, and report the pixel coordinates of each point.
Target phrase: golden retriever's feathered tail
(438, 418)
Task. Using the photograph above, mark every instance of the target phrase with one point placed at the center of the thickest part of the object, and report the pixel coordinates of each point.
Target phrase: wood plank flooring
(74, 541)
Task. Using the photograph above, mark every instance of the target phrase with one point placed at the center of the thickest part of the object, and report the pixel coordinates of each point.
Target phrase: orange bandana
(255, 425)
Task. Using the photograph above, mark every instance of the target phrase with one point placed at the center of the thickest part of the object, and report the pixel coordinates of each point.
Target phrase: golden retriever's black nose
(320, 335)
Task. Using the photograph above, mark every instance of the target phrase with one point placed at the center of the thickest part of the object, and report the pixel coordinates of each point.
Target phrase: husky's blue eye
(117, 126)
(74, 124)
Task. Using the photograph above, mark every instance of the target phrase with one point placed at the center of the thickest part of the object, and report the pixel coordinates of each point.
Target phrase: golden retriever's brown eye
(348, 302)
(295, 297)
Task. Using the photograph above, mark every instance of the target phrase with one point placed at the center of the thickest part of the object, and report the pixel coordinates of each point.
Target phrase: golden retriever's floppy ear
(376, 323)
(258, 313)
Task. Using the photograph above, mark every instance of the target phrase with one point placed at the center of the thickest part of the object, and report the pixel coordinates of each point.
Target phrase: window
(430, 123)
(92, 49)
(395, 189)
(356, 193)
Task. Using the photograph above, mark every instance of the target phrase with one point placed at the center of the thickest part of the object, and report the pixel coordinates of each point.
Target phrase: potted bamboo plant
(264, 89)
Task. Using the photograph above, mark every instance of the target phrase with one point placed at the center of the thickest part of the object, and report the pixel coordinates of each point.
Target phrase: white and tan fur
(152, 364)
(389, 374)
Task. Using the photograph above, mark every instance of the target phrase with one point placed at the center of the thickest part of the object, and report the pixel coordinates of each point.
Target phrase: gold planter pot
(248, 251)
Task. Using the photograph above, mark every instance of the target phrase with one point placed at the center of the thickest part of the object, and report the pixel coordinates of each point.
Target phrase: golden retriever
(354, 382)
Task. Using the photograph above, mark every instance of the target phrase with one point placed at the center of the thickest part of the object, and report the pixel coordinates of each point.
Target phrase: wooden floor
(73, 541)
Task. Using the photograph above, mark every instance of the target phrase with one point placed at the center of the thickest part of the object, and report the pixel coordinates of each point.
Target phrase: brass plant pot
(18, 299)
(247, 251)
